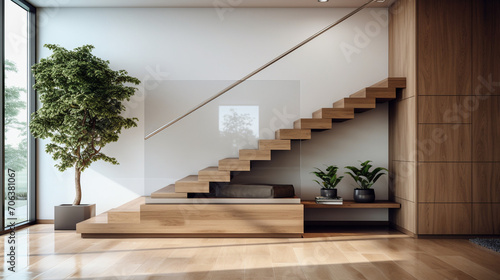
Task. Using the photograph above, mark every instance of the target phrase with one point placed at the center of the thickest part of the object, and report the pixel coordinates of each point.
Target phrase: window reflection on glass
(239, 125)
(15, 107)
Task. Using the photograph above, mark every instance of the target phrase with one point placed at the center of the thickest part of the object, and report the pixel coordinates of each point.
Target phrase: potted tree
(81, 110)
(329, 181)
(365, 180)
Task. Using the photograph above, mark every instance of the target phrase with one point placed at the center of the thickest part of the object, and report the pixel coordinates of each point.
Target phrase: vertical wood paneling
(485, 46)
(486, 182)
(405, 217)
(486, 128)
(486, 218)
(402, 44)
(444, 182)
(404, 177)
(444, 218)
(444, 109)
(444, 142)
(444, 48)
(403, 129)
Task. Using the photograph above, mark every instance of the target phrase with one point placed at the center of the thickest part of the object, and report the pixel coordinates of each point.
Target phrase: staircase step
(168, 192)
(380, 93)
(213, 174)
(336, 114)
(358, 104)
(191, 184)
(275, 145)
(313, 124)
(255, 154)
(234, 164)
(395, 82)
(296, 134)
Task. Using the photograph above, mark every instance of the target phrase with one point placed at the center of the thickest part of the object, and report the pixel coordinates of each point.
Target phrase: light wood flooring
(373, 253)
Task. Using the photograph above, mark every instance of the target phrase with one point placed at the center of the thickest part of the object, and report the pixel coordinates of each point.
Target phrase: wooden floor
(350, 253)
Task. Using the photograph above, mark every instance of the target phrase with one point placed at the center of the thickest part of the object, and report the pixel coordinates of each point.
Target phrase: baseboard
(454, 236)
(346, 223)
(44, 221)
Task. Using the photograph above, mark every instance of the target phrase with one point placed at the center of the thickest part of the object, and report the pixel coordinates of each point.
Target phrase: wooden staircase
(322, 119)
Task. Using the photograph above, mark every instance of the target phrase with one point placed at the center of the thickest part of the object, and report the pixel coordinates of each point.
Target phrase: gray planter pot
(66, 216)
(331, 193)
(364, 195)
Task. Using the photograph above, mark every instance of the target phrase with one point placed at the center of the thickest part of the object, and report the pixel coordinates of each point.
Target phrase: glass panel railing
(237, 120)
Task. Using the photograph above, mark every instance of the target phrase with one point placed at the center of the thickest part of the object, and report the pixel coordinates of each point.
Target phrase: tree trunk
(78, 187)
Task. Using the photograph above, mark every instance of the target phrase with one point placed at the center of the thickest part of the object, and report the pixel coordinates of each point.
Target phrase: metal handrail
(260, 69)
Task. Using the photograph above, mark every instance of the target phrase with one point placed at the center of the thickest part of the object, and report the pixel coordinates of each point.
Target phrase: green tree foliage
(81, 109)
(15, 155)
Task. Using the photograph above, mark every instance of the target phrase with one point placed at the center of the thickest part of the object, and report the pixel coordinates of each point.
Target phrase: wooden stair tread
(234, 164)
(381, 94)
(255, 154)
(275, 145)
(131, 205)
(358, 104)
(191, 184)
(293, 134)
(317, 124)
(335, 114)
(213, 174)
(168, 192)
(392, 82)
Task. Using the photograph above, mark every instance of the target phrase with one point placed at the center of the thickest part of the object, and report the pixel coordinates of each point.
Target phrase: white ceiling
(205, 3)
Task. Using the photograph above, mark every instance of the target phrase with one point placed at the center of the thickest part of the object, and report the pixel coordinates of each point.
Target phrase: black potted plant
(365, 180)
(81, 110)
(329, 181)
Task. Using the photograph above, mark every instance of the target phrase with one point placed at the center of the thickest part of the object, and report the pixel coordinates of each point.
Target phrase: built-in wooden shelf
(352, 204)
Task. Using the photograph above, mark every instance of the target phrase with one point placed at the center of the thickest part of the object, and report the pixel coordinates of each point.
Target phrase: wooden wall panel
(406, 216)
(402, 44)
(444, 142)
(486, 128)
(444, 182)
(404, 176)
(485, 46)
(486, 218)
(444, 218)
(403, 129)
(486, 182)
(444, 48)
(443, 109)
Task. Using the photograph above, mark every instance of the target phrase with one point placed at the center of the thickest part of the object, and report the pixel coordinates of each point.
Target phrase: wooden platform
(352, 205)
(137, 219)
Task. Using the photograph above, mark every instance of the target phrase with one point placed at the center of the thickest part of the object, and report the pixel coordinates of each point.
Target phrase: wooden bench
(350, 204)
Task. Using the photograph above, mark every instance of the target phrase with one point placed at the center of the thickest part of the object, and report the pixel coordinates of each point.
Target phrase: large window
(18, 29)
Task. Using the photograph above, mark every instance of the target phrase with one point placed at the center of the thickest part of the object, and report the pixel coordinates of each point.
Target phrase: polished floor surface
(369, 253)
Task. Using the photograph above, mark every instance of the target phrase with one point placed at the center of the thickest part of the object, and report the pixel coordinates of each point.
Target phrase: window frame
(31, 107)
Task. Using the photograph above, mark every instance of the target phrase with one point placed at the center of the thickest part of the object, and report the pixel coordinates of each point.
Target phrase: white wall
(161, 45)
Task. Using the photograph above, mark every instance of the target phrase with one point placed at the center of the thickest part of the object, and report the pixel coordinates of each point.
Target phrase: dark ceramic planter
(66, 216)
(364, 195)
(331, 193)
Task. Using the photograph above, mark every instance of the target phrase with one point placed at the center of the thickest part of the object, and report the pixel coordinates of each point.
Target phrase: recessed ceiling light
(323, 1)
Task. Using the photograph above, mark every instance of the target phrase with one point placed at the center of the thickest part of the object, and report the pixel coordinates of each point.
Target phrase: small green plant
(329, 180)
(363, 176)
